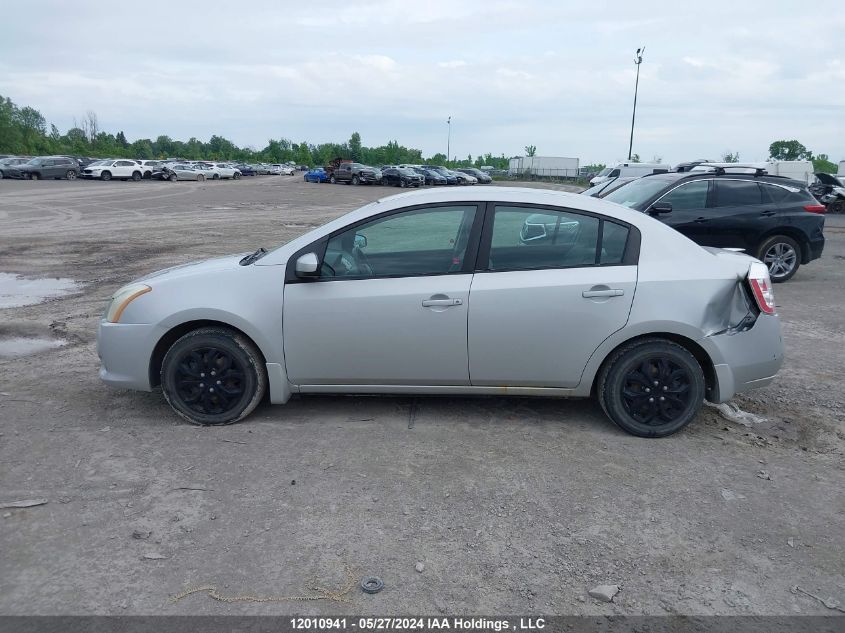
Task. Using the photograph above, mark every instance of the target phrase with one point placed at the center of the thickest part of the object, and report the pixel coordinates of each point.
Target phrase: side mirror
(360, 241)
(307, 265)
(659, 208)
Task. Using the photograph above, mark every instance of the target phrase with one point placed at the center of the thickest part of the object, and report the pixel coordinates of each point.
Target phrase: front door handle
(608, 292)
(768, 213)
(700, 220)
(428, 303)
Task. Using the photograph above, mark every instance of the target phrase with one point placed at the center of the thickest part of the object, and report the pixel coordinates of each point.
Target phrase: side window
(736, 193)
(690, 195)
(774, 194)
(613, 174)
(525, 239)
(614, 237)
(419, 242)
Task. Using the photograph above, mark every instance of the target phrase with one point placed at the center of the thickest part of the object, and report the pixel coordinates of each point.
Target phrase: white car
(121, 169)
(227, 171)
(287, 170)
(149, 166)
(206, 170)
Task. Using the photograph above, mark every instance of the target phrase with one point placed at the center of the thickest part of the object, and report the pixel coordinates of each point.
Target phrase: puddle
(20, 346)
(17, 291)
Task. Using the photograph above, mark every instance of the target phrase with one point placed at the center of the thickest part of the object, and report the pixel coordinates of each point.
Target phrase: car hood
(827, 179)
(194, 268)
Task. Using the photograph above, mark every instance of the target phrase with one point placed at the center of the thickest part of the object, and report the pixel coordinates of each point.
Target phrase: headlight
(123, 298)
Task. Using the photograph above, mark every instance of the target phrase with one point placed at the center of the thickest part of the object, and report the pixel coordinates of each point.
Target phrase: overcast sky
(510, 73)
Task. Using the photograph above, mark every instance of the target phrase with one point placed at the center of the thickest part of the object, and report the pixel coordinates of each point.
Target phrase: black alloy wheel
(651, 387)
(213, 376)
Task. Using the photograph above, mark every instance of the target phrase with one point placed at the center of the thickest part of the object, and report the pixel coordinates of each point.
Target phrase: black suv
(773, 218)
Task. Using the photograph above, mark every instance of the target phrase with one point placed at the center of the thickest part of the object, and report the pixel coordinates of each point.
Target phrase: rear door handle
(700, 220)
(768, 213)
(428, 303)
(609, 292)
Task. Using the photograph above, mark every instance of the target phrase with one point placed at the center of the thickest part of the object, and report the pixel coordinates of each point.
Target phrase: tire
(106, 175)
(136, 176)
(200, 178)
(216, 177)
(173, 178)
(402, 184)
(837, 206)
(1, 174)
(236, 176)
(35, 176)
(631, 372)
(782, 255)
(194, 358)
(333, 180)
(70, 175)
(355, 180)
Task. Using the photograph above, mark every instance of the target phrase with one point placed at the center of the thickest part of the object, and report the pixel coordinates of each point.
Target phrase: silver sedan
(440, 292)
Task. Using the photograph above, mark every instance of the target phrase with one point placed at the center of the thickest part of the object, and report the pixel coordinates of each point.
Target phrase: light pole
(638, 59)
(448, 137)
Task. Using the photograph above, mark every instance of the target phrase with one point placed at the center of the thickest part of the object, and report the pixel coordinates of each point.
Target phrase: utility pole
(638, 59)
(449, 138)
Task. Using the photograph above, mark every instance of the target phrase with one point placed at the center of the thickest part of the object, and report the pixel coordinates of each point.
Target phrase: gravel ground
(512, 505)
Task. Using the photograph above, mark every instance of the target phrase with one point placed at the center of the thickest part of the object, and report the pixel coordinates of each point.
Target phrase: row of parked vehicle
(405, 175)
(173, 169)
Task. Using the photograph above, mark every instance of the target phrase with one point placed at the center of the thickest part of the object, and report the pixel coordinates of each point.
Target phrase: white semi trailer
(551, 166)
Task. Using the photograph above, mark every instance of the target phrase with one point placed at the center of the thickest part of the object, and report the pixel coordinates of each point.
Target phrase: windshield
(604, 172)
(594, 189)
(638, 192)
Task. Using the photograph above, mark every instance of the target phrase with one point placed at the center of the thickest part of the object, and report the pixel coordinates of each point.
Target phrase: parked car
(401, 177)
(355, 174)
(482, 178)
(287, 170)
(181, 171)
(774, 219)
(148, 167)
(318, 174)
(50, 167)
(451, 178)
(464, 178)
(603, 188)
(430, 177)
(10, 167)
(246, 170)
(226, 171)
(830, 191)
(122, 169)
(630, 311)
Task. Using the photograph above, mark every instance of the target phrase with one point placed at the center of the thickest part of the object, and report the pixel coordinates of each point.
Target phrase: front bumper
(125, 350)
(749, 359)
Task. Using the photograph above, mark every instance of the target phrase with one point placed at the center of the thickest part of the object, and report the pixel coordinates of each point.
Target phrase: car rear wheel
(651, 387)
(70, 175)
(106, 175)
(34, 176)
(136, 176)
(236, 176)
(213, 376)
(173, 178)
(782, 255)
(836, 207)
(200, 178)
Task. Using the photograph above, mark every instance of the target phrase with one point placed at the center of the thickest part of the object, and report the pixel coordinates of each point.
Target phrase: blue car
(317, 174)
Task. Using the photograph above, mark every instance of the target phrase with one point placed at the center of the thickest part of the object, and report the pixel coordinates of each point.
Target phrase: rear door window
(737, 193)
(690, 195)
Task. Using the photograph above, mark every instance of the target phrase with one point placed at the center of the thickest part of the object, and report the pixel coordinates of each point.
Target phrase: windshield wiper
(253, 257)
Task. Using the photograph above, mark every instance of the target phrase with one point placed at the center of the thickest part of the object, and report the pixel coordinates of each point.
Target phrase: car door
(551, 284)
(389, 306)
(689, 214)
(741, 214)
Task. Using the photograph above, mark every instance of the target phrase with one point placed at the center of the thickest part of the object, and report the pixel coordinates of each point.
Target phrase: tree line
(24, 131)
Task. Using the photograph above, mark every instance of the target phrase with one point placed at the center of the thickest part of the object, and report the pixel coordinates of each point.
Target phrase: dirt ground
(512, 505)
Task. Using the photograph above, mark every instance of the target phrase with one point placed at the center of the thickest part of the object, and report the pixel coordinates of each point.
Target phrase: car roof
(672, 176)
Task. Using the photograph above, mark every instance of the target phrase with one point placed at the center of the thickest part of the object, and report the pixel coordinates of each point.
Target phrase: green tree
(121, 140)
(729, 157)
(635, 158)
(530, 150)
(355, 146)
(789, 150)
(822, 163)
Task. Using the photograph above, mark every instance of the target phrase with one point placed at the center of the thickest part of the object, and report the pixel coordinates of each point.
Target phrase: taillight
(815, 208)
(761, 286)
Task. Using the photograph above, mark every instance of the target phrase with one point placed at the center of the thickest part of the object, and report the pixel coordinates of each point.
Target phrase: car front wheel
(782, 255)
(106, 175)
(213, 376)
(651, 387)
